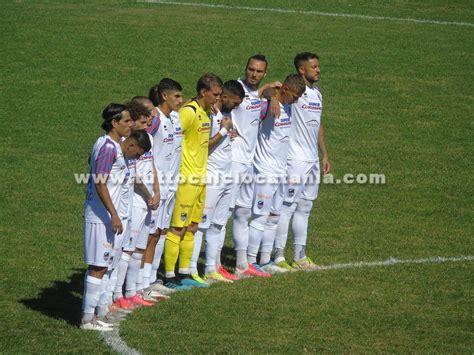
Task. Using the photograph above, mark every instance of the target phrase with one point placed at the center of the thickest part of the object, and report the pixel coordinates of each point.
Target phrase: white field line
(393, 261)
(117, 344)
(114, 340)
(316, 13)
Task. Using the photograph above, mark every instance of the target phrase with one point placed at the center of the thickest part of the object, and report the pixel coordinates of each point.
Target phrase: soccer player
(246, 120)
(189, 205)
(166, 97)
(145, 196)
(270, 170)
(102, 222)
(219, 187)
(306, 136)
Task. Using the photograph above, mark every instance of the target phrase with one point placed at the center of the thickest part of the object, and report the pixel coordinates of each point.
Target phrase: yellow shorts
(189, 205)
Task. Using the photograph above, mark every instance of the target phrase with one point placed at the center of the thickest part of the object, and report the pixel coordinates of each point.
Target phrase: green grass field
(398, 101)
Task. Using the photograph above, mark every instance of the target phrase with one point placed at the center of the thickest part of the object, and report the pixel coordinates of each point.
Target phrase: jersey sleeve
(155, 124)
(105, 159)
(186, 117)
(264, 110)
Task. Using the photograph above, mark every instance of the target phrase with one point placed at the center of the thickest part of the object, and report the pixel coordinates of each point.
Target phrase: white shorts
(303, 181)
(118, 244)
(139, 226)
(242, 189)
(268, 195)
(98, 242)
(216, 207)
(161, 218)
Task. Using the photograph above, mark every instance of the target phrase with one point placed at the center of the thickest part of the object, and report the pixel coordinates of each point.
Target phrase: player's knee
(242, 214)
(304, 206)
(258, 222)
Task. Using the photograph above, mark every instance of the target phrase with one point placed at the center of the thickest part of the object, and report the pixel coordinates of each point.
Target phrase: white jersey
(176, 158)
(220, 157)
(144, 169)
(106, 159)
(126, 194)
(306, 114)
(272, 147)
(246, 119)
(162, 131)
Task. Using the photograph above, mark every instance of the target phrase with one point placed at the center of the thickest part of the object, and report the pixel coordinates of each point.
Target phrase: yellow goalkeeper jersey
(196, 127)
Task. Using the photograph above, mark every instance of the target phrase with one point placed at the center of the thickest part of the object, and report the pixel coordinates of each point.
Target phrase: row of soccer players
(128, 216)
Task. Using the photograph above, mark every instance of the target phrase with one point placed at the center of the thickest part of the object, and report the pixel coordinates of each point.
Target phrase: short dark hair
(140, 99)
(142, 139)
(156, 92)
(296, 83)
(259, 57)
(137, 109)
(112, 112)
(207, 81)
(233, 87)
(303, 57)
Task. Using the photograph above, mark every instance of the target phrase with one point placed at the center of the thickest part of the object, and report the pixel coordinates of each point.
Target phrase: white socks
(160, 247)
(300, 227)
(121, 273)
(268, 239)
(240, 234)
(196, 251)
(146, 275)
(132, 274)
(256, 229)
(90, 299)
(213, 247)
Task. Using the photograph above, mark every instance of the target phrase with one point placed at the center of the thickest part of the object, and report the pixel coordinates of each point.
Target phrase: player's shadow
(62, 300)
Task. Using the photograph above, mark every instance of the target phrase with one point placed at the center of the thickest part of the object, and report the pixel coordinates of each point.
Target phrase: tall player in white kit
(270, 172)
(167, 98)
(307, 135)
(102, 222)
(219, 186)
(246, 120)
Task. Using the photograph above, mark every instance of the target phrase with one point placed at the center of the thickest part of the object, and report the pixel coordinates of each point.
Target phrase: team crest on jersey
(106, 255)
(291, 192)
(260, 204)
(184, 216)
(204, 217)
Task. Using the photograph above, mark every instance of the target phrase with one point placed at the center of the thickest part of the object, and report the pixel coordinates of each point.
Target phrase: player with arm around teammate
(303, 165)
(270, 171)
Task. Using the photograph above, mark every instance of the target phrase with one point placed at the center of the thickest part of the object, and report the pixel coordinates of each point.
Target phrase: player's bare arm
(324, 151)
(103, 192)
(226, 126)
(268, 91)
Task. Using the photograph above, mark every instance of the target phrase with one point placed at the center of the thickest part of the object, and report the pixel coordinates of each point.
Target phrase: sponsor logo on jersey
(254, 105)
(206, 127)
(312, 106)
(283, 122)
(169, 139)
